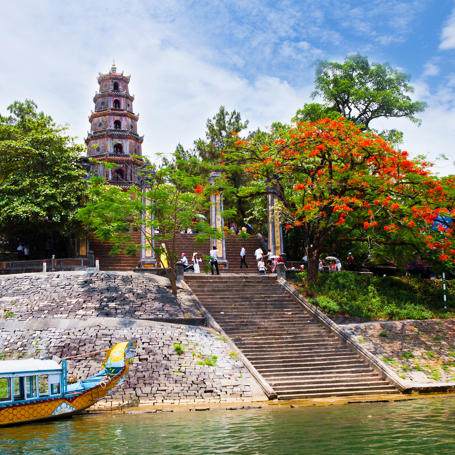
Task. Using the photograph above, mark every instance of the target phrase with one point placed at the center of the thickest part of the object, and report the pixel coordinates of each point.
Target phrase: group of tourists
(247, 228)
(334, 265)
(267, 263)
(23, 252)
(194, 267)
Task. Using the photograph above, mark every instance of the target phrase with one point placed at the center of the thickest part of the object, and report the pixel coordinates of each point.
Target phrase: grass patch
(377, 298)
(210, 360)
(179, 349)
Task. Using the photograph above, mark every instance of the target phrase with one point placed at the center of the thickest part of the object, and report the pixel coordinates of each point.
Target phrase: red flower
(288, 227)
(199, 189)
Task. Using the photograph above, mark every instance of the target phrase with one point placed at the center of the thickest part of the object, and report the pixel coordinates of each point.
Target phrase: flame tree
(329, 175)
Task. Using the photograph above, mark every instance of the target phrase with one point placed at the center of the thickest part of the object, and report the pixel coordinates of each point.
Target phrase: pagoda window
(118, 148)
(117, 125)
(116, 86)
(116, 104)
(118, 175)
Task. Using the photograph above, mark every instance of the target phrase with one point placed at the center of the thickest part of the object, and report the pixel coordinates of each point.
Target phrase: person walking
(258, 254)
(196, 261)
(214, 260)
(274, 264)
(243, 257)
(261, 267)
(350, 262)
(26, 252)
(20, 252)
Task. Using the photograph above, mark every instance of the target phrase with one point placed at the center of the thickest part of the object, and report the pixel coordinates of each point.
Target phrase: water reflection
(418, 427)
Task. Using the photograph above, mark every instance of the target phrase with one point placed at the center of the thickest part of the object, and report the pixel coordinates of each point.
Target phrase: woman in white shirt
(196, 261)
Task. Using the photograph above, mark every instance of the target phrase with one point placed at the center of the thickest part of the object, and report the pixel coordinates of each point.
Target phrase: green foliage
(218, 136)
(41, 183)
(8, 314)
(210, 361)
(362, 92)
(383, 334)
(380, 298)
(234, 355)
(179, 349)
(408, 355)
(162, 209)
(327, 305)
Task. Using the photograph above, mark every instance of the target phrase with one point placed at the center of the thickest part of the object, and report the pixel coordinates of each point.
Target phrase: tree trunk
(173, 279)
(313, 266)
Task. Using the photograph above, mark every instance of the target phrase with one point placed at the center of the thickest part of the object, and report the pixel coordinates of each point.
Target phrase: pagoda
(113, 136)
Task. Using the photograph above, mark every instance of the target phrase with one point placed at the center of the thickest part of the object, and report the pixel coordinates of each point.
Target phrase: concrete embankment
(72, 313)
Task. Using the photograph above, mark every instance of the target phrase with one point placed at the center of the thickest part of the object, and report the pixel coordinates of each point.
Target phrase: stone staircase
(294, 353)
(185, 243)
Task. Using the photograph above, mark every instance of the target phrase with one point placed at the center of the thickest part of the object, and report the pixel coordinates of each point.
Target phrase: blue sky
(187, 58)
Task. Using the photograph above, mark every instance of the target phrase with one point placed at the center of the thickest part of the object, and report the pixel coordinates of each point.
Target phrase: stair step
(299, 372)
(336, 393)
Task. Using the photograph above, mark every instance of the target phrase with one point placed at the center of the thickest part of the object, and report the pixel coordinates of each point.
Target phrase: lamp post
(84, 247)
(148, 254)
(440, 221)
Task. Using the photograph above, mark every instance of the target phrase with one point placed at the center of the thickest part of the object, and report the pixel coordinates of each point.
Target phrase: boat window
(43, 385)
(54, 383)
(19, 389)
(30, 386)
(5, 389)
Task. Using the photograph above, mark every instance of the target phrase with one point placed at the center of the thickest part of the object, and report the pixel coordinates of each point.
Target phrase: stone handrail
(348, 339)
(268, 390)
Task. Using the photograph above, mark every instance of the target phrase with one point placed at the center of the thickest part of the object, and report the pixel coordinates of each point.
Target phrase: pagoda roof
(119, 159)
(113, 92)
(115, 133)
(103, 77)
(111, 111)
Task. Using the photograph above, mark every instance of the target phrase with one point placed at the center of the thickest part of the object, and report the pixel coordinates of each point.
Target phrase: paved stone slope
(90, 294)
(421, 352)
(157, 376)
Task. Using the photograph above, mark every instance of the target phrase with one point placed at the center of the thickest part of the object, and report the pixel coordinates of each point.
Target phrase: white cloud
(431, 69)
(448, 33)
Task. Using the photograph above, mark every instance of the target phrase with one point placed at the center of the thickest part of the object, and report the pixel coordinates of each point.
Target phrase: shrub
(378, 298)
(179, 349)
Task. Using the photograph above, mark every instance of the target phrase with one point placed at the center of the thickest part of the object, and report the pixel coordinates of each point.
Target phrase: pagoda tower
(113, 136)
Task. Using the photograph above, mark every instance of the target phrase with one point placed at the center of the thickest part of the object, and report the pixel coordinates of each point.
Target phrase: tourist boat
(33, 390)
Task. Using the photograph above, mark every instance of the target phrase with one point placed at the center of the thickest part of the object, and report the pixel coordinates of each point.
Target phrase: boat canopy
(28, 366)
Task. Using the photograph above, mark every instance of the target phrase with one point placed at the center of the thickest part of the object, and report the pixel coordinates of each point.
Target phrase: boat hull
(59, 407)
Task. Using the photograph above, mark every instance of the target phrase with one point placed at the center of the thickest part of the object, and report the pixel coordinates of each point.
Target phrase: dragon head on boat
(120, 355)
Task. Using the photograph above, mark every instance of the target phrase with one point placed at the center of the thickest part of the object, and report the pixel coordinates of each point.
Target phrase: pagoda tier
(113, 136)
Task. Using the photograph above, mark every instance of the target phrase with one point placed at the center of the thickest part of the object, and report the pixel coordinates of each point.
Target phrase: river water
(424, 426)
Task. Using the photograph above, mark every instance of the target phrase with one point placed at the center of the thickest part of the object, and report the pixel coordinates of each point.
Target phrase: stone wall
(64, 314)
(93, 294)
